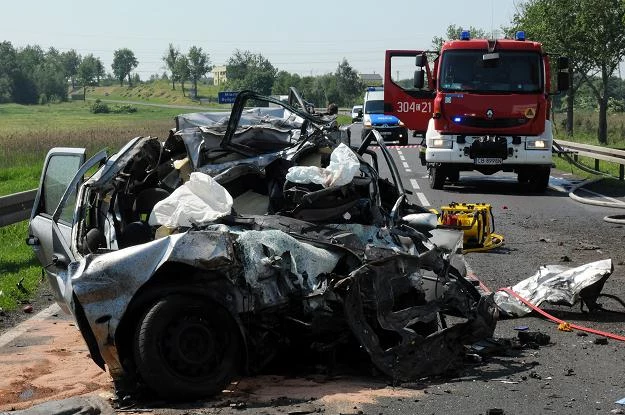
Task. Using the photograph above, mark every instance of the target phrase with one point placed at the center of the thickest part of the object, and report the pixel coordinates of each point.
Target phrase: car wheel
(436, 177)
(539, 180)
(187, 347)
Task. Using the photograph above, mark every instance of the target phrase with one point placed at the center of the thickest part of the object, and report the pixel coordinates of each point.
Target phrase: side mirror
(360, 113)
(420, 61)
(419, 78)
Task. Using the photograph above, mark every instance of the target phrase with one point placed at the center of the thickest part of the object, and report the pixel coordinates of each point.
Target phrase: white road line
(422, 199)
(408, 171)
(414, 184)
(24, 326)
(399, 151)
(406, 165)
(402, 158)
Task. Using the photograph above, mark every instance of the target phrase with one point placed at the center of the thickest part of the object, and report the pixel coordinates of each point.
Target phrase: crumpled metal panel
(413, 355)
(105, 284)
(276, 265)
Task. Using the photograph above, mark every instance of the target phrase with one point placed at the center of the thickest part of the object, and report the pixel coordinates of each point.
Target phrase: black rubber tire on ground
(523, 176)
(436, 177)
(187, 347)
(539, 179)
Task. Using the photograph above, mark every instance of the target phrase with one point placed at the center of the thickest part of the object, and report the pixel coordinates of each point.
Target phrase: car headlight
(536, 145)
(440, 143)
(367, 124)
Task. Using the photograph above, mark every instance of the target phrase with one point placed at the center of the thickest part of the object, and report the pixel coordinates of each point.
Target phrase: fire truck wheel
(539, 180)
(453, 175)
(523, 176)
(437, 177)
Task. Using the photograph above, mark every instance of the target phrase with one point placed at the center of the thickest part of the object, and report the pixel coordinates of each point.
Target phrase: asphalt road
(571, 375)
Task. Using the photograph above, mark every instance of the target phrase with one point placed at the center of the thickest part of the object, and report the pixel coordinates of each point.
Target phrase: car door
(50, 226)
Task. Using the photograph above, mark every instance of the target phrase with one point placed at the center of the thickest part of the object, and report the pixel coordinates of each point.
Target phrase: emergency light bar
(520, 35)
(465, 35)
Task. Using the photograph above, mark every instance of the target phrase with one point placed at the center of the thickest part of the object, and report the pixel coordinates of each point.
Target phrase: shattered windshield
(504, 72)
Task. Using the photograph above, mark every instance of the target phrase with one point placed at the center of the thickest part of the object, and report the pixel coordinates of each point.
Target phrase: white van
(389, 126)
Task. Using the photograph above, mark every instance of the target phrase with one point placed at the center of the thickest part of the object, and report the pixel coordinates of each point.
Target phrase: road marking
(26, 325)
(408, 171)
(399, 151)
(402, 158)
(424, 201)
(414, 184)
(406, 165)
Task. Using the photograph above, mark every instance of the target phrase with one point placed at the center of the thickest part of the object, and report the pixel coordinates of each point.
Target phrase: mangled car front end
(183, 307)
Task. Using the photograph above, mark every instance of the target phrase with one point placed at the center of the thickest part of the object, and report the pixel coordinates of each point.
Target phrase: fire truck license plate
(488, 160)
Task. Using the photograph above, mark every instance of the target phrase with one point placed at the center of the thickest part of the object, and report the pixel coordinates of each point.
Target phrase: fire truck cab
(480, 104)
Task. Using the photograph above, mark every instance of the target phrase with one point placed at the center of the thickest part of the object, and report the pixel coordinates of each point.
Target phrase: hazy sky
(299, 37)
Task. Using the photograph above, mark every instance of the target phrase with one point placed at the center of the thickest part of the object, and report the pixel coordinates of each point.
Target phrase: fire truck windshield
(500, 72)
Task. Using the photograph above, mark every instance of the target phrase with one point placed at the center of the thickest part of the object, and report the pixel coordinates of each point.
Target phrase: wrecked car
(188, 261)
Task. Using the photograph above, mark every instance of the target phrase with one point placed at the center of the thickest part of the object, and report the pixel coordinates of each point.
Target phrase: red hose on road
(557, 320)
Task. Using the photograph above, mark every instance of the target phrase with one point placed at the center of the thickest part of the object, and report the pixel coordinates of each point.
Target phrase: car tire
(187, 347)
(436, 177)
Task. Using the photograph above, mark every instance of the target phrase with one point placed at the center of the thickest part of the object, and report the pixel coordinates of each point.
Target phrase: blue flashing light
(457, 119)
(520, 35)
(465, 35)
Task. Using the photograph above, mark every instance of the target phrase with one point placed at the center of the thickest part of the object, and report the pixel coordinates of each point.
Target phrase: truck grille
(479, 122)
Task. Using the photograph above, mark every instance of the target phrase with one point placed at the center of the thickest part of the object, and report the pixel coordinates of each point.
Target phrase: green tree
(181, 71)
(349, 86)
(124, 62)
(602, 22)
(88, 72)
(29, 59)
(100, 72)
(247, 70)
(199, 65)
(453, 33)
(554, 24)
(284, 81)
(8, 69)
(170, 59)
(591, 34)
(71, 62)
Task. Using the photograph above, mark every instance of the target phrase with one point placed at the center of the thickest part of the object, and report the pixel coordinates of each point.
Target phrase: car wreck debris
(188, 262)
(557, 284)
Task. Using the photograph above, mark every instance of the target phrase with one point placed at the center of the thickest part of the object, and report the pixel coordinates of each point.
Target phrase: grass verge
(20, 273)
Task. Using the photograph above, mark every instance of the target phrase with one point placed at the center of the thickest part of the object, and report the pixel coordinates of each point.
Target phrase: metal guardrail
(597, 153)
(16, 207)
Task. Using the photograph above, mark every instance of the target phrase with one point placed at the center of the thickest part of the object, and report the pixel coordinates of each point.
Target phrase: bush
(99, 108)
(123, 109)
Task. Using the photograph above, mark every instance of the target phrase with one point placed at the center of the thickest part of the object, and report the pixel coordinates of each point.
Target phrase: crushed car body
(221, 284)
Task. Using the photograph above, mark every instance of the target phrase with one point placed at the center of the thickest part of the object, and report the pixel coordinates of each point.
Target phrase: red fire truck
(479, 104)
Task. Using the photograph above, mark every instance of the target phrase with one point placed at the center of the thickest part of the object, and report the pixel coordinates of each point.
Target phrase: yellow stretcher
(476, 221)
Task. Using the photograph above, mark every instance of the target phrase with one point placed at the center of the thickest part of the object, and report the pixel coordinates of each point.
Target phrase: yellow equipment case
(477, 223)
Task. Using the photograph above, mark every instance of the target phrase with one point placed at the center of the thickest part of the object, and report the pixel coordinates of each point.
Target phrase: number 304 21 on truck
(481, 104)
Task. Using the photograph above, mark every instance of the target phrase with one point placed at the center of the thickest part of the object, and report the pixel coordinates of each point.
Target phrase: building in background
(219, 75)
(371, 79)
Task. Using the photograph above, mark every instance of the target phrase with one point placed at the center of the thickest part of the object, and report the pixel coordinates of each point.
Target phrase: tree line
(30, 75)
